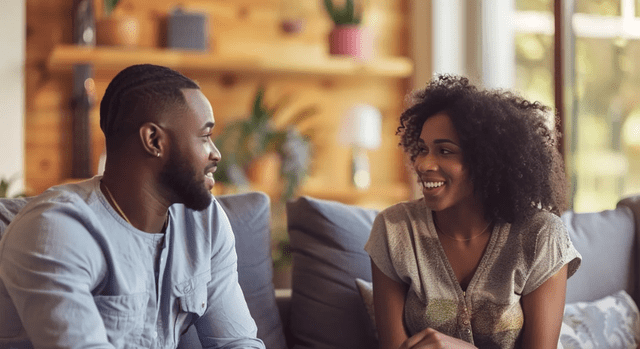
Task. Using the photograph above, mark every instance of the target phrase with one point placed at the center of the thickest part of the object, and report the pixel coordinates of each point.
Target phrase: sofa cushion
(606, 242)
(327, 245)
(249, 215)
(250, 218)
(609, 322)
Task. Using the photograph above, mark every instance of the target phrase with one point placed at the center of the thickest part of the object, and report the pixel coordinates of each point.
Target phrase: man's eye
(446, 151)
(207, 135)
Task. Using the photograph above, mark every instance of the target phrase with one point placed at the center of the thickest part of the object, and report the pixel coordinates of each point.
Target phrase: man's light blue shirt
(79, 276)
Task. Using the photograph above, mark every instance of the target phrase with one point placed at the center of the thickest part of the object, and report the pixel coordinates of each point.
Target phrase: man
(131, 259)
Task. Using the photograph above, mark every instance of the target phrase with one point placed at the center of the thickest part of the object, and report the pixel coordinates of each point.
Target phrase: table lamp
(361, 130)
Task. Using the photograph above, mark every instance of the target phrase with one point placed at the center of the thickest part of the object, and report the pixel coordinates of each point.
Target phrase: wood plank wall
(237, 27)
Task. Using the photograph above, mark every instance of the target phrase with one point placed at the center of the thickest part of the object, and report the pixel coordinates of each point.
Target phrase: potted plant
(348, 37)
(5, 185)
(244, 146)
(245, 142)
(117, 30)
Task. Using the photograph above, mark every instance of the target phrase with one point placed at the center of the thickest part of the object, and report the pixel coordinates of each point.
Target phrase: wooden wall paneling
(243, 29)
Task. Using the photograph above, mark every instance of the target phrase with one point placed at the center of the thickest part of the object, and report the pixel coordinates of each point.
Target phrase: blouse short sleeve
(378, 247)
(553, 249)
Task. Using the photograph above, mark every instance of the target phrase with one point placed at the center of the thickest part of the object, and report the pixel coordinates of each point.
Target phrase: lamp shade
(362, 127)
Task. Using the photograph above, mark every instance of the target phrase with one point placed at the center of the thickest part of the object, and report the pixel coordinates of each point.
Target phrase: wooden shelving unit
(112, 59)
(63, 57)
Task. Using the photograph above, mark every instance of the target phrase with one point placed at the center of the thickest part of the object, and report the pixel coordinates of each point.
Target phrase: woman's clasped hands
(432, 339)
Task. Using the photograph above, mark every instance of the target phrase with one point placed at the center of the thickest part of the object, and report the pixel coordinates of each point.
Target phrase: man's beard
(181, 180)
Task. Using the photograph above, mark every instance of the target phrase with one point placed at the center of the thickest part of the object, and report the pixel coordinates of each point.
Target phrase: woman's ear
(153, 138)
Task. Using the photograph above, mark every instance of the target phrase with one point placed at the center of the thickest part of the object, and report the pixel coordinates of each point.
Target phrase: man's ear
(153, 138)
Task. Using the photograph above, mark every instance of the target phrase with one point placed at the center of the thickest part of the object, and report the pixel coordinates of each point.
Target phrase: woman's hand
(430, 338)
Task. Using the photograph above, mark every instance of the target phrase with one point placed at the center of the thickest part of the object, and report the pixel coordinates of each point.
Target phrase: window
(602, 131)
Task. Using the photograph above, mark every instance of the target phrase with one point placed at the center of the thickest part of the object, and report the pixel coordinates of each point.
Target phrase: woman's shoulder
(404, 209)
(540, 223)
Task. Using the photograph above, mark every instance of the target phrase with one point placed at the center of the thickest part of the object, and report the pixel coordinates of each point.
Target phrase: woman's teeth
(432, 185)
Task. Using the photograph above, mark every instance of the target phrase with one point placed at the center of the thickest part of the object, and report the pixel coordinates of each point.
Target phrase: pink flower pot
(351, 40)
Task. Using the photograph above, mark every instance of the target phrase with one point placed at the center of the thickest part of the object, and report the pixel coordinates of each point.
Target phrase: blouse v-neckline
(447, 264)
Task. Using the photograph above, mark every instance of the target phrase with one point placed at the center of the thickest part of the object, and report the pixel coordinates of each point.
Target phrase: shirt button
(202, 305)
(155, 334)
(466, 322)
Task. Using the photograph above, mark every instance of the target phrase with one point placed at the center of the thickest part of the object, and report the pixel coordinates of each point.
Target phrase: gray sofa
(324, 308)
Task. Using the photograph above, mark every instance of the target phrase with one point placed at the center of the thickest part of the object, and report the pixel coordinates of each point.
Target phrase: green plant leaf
(258, 110)
(109, 6)
(349, 9)
(4, 187)
(345, 15)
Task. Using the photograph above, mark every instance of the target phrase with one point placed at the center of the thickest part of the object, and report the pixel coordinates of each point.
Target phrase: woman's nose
(426, 163)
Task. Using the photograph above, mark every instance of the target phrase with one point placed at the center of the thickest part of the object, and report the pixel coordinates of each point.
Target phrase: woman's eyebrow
(444, 140)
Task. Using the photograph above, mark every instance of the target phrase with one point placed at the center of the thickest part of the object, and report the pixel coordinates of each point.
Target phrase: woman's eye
(446, 151)
(207, 136)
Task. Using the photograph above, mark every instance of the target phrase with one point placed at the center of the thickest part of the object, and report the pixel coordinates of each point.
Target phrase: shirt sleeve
(378, 248)
(48, 264)
(553, 249)
(227, 322)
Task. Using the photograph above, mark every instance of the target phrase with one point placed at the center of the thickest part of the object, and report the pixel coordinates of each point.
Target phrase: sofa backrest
(250, 217)
(607, 242)
(327, 245)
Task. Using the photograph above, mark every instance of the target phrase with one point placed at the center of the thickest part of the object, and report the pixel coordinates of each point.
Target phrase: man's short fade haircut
(139, 94)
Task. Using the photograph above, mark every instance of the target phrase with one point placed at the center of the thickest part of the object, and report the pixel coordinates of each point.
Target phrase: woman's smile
(440, 167)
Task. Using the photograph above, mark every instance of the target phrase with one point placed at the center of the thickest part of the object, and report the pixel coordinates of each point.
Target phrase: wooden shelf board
(63, 57)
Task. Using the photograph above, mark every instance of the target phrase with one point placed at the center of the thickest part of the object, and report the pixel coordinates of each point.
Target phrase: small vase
(118, 31)
(351, 40)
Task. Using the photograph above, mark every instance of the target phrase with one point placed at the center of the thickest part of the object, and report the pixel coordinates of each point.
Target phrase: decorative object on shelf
(348, 37)
(84, 23)
(293, 14)
(117, 30)
(362, 130)
(245, 142)
(83, 88)
(187, 30)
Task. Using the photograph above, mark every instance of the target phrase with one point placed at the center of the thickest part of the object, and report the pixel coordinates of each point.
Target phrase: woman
(482, 259)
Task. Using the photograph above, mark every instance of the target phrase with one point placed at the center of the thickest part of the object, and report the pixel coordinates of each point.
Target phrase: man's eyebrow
(208, 125)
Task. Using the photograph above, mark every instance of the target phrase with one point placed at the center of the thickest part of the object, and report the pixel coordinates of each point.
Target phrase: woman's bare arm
(543, 310)
(388, 302)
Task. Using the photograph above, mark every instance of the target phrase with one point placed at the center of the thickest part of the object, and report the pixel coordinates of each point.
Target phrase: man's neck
(137, 200)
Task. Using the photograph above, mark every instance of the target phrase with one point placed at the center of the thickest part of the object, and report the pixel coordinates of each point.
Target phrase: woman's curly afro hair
(510, 152)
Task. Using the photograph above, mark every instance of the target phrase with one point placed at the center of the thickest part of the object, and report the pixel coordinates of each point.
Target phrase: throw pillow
(366, 292)
(611, 322)
(327, 246)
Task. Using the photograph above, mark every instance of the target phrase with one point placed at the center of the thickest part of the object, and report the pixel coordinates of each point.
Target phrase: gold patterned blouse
(518, 258)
